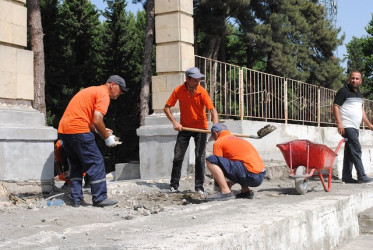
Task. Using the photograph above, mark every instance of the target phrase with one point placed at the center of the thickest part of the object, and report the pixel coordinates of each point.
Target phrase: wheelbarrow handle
(340, 144)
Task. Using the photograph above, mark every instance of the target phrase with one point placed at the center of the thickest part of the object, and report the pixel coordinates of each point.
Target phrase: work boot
(245, 195)
(351, 180)
(365, 179)
(104, 203)
(220, 197)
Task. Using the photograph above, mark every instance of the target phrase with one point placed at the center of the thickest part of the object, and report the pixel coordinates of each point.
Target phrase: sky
(352, 17)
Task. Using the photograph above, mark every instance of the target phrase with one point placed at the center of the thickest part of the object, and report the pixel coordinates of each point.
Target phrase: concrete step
(362, 242)
(366, 222)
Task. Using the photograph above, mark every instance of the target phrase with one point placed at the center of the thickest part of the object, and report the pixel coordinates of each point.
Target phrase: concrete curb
(318, 223)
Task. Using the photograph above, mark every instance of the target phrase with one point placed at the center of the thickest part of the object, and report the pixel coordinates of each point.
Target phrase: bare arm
(337, 115)
(366, 120)
(167, 111)
(214, 116)
(98, 122)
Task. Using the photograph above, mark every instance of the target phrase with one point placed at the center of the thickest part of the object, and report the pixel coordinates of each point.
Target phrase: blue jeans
(237, 172)
(352, 155)
(84, 156)
(182, 143)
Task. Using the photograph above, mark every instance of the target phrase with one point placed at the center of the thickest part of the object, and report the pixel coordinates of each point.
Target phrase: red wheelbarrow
(304, 158)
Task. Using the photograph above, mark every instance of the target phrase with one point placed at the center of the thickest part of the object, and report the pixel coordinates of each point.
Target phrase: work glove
(110, 141)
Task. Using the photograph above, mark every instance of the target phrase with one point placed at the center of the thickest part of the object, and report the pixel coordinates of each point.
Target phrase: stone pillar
(174, 55)
(26, 144)
(174, 52)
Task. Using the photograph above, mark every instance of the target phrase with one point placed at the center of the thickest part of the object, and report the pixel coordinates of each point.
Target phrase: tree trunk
(147, 63)
(37, 46)
(214, 46)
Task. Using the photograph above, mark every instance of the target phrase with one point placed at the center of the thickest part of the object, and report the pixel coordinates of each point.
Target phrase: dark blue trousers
(352, 155)
(84, 156)
(182, 143)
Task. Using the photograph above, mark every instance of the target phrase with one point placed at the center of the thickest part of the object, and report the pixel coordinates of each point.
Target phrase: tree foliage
(290, 38)
(360, 57)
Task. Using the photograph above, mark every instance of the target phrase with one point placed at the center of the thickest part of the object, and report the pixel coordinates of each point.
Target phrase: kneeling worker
(235, 159)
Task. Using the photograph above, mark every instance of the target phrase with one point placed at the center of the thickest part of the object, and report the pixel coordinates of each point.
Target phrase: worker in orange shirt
(84, 115)
(61, 164)
(235, 159)
(193, 99)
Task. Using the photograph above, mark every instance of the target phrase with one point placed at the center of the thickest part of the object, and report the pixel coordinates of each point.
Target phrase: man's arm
(214, 116)
(337, 115)
(98, 122)
(366, 120)
(167, 111)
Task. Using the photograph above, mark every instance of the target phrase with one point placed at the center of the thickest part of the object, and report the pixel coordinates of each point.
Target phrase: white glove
(110, 141)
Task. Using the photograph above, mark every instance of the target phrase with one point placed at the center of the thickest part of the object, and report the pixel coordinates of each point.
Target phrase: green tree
(123, 50)
(296, 40)
(73, 44)
(360, 57)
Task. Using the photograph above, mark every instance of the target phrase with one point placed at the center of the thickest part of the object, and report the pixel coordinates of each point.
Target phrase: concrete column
(174, 55)
(174, 51)
(26, 144)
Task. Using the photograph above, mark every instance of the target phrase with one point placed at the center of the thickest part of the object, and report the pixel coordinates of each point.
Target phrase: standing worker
(348, 111)
(82, 117)
(236, 159)
(193, 99)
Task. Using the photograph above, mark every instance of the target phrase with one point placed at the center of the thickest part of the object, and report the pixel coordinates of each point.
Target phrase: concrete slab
(366, 222)
(127, 171)
(276, 218)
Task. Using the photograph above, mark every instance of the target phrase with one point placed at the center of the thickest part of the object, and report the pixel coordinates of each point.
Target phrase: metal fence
(242, 93)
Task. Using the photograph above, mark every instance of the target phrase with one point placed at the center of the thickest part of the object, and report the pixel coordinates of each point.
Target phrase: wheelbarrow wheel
(301, 182)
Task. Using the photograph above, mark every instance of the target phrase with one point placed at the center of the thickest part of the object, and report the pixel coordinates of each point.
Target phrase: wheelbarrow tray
(296, 154)
(308, 157)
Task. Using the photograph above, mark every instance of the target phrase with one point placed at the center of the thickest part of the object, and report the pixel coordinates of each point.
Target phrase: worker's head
(117, 86)
(355, 79)
(216, 130)
(193, 77)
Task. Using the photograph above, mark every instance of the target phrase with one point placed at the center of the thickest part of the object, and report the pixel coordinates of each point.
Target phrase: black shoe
(76, 204)
(245, 195)
(104, 203)
(173, 190)
(220, 197)
(79, 203)
(349, 180)
(200, 191)
(365, 179)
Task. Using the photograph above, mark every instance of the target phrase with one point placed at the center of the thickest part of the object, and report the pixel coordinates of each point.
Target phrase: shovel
(260, 134)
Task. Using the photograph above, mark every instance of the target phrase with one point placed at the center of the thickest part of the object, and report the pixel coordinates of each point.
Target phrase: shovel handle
(209, 131)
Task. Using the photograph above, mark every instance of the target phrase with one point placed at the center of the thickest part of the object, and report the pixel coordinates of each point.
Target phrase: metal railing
(242, 93)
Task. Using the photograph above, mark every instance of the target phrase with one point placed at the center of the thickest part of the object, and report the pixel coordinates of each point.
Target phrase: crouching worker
(235, 159)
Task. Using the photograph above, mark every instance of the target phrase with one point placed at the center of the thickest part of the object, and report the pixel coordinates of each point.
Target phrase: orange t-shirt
(192, 108)
(78, 115)
(238, 149)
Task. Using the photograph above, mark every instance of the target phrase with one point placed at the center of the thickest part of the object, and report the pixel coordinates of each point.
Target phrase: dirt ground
(24, 215)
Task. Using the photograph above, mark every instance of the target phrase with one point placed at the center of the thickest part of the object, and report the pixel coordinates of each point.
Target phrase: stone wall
(26, 144)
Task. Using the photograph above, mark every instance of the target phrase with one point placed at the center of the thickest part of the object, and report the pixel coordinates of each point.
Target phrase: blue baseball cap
(194, 73)
(218, 127)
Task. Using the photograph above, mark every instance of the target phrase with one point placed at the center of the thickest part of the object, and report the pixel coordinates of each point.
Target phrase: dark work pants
(84, 156)
(352, 155)
(182, 143)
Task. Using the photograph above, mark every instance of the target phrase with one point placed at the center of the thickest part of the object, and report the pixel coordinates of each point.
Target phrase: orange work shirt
(238, 149)
(192, 108)
(78, 116)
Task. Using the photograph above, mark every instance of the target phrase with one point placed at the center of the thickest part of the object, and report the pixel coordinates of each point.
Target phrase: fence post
(286, 100)
(241, 102)
(318, 107)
